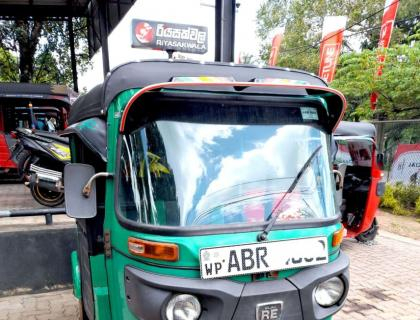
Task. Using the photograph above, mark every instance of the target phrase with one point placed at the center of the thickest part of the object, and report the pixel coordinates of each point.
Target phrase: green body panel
(189, 247)
(108, 272)
(101, 298)
(100, 287)
(99, 278)
(75, 272)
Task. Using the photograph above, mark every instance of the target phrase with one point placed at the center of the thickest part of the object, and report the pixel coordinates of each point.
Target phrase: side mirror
(76, 176)
(380, 160)
(340, 184)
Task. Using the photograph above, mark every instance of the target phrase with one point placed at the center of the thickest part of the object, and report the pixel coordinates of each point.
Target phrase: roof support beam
(73, 54)
(103, 26)
(225, 30)
(40, 12)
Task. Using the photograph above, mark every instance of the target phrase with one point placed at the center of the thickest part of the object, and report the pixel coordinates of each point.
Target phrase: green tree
(303, 19)
(9, 71)
(398, 86)
(39, 51)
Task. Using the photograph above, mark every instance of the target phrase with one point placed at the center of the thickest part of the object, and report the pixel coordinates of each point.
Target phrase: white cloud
(185, 144)
(280, 156)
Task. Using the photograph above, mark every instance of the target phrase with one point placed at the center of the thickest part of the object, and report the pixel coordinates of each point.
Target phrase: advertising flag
(332, 38)
(390, 12)
(275, 48)
(406, 165)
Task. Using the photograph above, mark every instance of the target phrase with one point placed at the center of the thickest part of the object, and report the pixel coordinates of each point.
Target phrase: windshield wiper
(273, 214)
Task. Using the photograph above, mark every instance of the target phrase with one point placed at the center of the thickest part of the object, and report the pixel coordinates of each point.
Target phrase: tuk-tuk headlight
(329, 292)
(183, 307)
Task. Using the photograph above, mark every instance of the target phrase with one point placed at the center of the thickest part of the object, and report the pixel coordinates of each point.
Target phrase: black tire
(81, 311)
(369, 234)
(22, 162)
(46, 197)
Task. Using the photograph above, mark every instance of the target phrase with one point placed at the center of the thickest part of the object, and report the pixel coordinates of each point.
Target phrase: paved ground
(16, 196)
(57, 305)
(385, 284)
(385, 279)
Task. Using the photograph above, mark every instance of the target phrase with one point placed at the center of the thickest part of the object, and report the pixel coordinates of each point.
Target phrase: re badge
(269, 311)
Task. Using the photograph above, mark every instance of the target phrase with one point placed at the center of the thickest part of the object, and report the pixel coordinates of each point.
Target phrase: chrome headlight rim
(181, 297)
(338, 296)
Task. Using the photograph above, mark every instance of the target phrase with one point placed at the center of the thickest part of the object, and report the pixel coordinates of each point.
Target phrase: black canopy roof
(24, 9)
(346, 128)
(31, 91)
(140, 74)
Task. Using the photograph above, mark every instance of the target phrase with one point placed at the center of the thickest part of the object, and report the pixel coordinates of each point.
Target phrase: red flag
(275, 48)
(332, 38)
(390, 12)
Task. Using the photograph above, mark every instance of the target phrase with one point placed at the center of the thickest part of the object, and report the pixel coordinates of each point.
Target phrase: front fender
(75, 271)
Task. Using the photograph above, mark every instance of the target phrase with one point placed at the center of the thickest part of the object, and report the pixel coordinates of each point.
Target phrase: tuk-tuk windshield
(354, 151)
(175, 173)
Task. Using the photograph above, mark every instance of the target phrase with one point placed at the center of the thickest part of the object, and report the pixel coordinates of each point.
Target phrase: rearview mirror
(78, 206)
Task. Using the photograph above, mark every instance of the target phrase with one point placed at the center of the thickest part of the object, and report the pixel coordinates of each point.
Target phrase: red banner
(332, 38)
(390, 12)
(275, 48)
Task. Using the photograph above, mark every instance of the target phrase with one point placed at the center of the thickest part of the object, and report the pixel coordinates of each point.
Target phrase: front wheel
(47, 197)
(23, 160)
(370, 233)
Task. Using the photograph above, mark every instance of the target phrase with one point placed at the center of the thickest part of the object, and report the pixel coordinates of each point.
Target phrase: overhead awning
(24, 9)
(114, 11)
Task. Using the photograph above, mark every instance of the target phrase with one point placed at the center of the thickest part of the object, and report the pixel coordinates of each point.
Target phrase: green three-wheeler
(206, 191)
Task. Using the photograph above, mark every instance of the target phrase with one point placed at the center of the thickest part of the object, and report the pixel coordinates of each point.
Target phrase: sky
(195, 12)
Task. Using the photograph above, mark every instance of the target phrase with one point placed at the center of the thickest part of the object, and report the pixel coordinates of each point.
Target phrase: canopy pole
(225, 30)
(73, 54)
(104, 35)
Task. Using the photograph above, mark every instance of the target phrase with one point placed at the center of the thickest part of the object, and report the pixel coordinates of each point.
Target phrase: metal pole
(380, 136)
(225, 30)
(395, 121)
(48, 219)
(31, 212)
(218, 30)
(103, 26)
(73, 54)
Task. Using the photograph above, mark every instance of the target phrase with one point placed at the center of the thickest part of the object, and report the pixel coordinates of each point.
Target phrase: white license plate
(261, 257)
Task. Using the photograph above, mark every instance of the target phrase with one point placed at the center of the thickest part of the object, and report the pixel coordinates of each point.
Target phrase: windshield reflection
(195, 174)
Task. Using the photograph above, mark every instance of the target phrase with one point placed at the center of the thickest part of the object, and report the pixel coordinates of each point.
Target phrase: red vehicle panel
(356, 159)
(5, 154)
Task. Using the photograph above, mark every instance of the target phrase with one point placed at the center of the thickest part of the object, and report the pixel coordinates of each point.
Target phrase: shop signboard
(168, 36)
